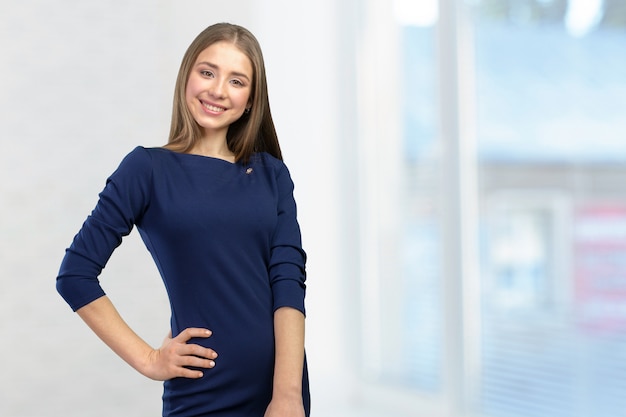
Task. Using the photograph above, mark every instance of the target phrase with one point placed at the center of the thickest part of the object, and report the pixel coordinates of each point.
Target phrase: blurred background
(460, 170)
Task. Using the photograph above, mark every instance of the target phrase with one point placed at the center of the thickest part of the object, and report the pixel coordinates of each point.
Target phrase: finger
(198, 362)
(197, 350)
(189, 373)
(192, 332)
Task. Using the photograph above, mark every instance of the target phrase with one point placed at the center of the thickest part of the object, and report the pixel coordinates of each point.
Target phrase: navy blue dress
(227, 244)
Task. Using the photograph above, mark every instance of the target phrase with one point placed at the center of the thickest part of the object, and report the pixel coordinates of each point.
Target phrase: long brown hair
(254, 131)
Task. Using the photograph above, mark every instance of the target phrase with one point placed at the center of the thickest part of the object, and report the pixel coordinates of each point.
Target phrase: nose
(217, 89)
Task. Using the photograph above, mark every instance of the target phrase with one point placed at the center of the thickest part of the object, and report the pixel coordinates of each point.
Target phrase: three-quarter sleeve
(120, 206)
(287, 258)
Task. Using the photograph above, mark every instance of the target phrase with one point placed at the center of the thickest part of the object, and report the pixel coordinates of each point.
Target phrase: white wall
(82, 83)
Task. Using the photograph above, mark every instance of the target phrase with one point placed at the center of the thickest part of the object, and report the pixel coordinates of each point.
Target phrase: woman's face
(218, 88)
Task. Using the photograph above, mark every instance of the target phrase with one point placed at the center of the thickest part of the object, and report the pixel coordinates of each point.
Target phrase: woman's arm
(288, 368)
(169, 361)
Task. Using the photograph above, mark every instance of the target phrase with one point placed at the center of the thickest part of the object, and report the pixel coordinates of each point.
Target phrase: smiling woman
(215, 208)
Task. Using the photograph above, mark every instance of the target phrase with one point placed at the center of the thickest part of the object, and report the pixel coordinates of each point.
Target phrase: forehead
(227, 57)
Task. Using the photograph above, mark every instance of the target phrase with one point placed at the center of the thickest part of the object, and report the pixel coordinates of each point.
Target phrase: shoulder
(138, 156)
(142, 153)
(270, 162)
(277, 169)
(137, 163)
(145, 157)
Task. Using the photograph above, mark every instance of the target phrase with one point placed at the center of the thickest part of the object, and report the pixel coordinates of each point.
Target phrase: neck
(214, 147)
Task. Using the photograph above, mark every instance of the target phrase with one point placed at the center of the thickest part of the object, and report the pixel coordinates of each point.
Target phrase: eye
(237, 83)
(207, 73)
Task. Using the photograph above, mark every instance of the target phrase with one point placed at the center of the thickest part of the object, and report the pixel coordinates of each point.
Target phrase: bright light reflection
(582, 16)
(422, 13)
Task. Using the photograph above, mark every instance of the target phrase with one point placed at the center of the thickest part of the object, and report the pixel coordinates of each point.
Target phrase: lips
(213, 108)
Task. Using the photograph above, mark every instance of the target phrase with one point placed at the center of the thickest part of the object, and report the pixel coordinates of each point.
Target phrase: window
(492, 253)
(550, 83)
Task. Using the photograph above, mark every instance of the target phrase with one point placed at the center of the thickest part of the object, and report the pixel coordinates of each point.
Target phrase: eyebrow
(235, 73)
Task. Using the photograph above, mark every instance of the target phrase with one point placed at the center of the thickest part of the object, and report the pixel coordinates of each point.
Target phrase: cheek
(191, 94)
(193, 87)
(244, 99)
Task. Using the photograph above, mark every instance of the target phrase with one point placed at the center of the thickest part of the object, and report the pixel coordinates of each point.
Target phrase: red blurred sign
(600, 266)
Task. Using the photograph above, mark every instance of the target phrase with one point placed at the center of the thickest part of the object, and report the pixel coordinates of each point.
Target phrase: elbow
(77, 291)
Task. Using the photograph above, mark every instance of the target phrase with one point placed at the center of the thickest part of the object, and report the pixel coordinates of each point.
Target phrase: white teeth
(212, 108)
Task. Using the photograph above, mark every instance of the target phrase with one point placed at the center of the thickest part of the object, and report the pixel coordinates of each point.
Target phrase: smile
(213, 108)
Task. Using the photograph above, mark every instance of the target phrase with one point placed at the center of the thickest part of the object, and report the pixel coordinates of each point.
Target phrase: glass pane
(551, 80)
(550, 100)
(421, 249)
(410, 302)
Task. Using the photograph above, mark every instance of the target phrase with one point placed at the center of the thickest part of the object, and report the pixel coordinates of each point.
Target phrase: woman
(215, 209)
